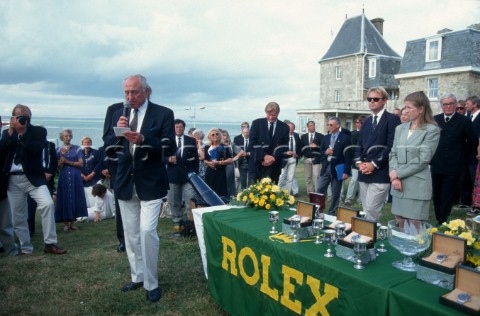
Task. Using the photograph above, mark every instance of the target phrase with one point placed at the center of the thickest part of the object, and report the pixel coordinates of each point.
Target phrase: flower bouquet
(266, 195)
(457, 227)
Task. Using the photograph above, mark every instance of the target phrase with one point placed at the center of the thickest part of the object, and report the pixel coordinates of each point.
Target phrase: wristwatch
(463, 297)
(441, 258)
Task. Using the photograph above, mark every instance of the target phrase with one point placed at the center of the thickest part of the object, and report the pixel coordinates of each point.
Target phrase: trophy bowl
(410, 237)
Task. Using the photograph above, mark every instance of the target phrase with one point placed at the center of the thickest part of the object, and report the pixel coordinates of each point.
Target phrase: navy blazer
(186, 162)
(457, 141)
(32, 143)
(260, 143)
(375, 146)
(238, 141)
(108, 124)
(309, 152)
(341, 154)
(146, 169)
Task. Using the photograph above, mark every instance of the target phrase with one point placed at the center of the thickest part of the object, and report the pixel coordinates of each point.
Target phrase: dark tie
(270, 130)
(447, 119)
(18, 153)
(246, 145)
(133, 127)
(374, 124)
(180, 145)
(291, 143)
(311, 138)
(332, 140)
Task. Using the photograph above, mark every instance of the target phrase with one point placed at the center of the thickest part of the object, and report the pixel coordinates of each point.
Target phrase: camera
(23, 119)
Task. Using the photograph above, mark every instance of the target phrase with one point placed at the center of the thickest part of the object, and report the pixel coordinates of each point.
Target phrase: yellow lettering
(331, 292)
(289, 288)
(250, 280)
(229, 256)
(265, 288)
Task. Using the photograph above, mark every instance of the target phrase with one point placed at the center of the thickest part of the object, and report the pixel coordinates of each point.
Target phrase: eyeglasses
(215, 134)
(460, 108)
(244, 125)
(449, 104)
(374, 99)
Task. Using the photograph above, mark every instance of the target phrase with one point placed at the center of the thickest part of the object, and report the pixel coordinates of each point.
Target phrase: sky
(69, 57)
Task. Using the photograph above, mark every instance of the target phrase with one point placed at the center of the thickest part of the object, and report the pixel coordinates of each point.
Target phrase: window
(337, 95)
(338, 72)
(433, 49)
(303, 123)
(372, 68)
(432, 88)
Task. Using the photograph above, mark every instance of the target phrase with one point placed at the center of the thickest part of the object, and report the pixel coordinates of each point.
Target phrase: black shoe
(132, 286)
(474, 211)
(121, 247)
(463, 206)
(154, 295)
(2, 249)
(54, 249)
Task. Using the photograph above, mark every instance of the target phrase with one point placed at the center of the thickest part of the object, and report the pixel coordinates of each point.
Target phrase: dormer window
(372, 68)
(433, 49)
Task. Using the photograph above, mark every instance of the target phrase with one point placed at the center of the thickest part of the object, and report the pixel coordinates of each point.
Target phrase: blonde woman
(217, 156)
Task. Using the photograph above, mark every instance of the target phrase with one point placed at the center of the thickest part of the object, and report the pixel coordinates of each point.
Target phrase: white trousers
(373, 197)
(288, 176)
(140, 220)
(18, 189)
(312, 174)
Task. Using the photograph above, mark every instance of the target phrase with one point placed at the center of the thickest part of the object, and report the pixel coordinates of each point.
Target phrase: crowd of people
(409, 156)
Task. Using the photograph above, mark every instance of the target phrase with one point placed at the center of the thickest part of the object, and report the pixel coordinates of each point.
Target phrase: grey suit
(410, 157)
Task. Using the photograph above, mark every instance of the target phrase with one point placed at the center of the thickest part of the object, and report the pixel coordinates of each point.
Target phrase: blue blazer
(146, 169)
(341, 154)
(375, 146)
(188, 162)
(309, 152)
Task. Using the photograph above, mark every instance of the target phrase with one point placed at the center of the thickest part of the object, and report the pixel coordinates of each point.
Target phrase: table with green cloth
(251, 272)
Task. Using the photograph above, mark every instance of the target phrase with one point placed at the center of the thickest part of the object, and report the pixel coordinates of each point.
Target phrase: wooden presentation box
(345, 214)
(467, 281)
(442, 274)
(367, 230)
(307, 212)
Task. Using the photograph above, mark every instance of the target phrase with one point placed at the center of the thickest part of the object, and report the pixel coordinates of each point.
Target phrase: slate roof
(353, 39)
(459, 49)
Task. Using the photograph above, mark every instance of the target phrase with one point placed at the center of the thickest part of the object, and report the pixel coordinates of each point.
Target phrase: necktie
(246, 145)
(311, 138)
(447, 119)
(18, 153)
(270, 130)
(291, 143)
(133, 127)
(332, 140)
(374, 124)
(180, 145)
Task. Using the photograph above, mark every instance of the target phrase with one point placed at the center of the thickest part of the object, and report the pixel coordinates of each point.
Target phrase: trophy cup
(359, 247)
(273, 218)
(317, 227)
(382, 234)
(328, 236)
(340, 231)
(294, 226)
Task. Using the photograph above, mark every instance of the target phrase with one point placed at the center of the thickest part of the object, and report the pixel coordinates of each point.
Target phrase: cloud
(231, 56)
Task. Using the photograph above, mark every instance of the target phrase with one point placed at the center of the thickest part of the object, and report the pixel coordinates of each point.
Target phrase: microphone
(126, 109)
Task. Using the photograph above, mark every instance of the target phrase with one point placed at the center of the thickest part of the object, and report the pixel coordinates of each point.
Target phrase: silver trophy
(295, 226)
(317, 227)
(382, 234)
(359, 248)
(273, 218)
(340, 231)
(328, 237)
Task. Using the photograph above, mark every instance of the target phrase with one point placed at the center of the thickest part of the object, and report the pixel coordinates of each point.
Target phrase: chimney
(378, 23)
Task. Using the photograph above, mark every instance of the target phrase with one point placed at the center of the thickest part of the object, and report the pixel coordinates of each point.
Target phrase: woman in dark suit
(413, 147)
(217, 156)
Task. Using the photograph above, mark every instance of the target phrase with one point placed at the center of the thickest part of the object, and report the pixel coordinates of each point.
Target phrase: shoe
(296, 195)
(121, 247)
(132, 286)
(2, 249)
(463, 206)
(54, 249)
(66, 228)
(347, 202)
(474, 211)
(73, 227)
(154, 295)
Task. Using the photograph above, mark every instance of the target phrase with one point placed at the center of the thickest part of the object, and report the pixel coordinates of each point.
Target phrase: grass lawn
(87, 280)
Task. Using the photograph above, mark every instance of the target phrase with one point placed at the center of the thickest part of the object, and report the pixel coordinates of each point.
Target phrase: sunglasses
(460, 108)
(374, 99)
(215, 134)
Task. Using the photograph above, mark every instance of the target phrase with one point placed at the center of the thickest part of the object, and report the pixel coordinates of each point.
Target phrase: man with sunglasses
(23, 145)
(371, 156)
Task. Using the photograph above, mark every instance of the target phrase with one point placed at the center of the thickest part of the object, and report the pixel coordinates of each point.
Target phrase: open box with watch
(360, 228)
(439, 267)
(344, 215)
(465, 297)
(307, 213)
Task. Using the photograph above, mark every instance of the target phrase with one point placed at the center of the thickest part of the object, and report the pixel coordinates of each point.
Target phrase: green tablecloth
(254, 273)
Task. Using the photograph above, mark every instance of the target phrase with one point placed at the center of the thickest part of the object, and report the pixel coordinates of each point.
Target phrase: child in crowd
(104, 204)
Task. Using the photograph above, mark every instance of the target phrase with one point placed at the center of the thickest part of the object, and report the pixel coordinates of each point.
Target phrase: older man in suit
(268, 142)
(141, 180)
(23, 170)
(335, 159)
(179, 165)
(242, 155)
(457, 141)
(371, 156)
(311, 156)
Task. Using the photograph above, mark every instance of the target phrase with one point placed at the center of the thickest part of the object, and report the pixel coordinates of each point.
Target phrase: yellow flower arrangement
(457, 227)
(265, 194)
